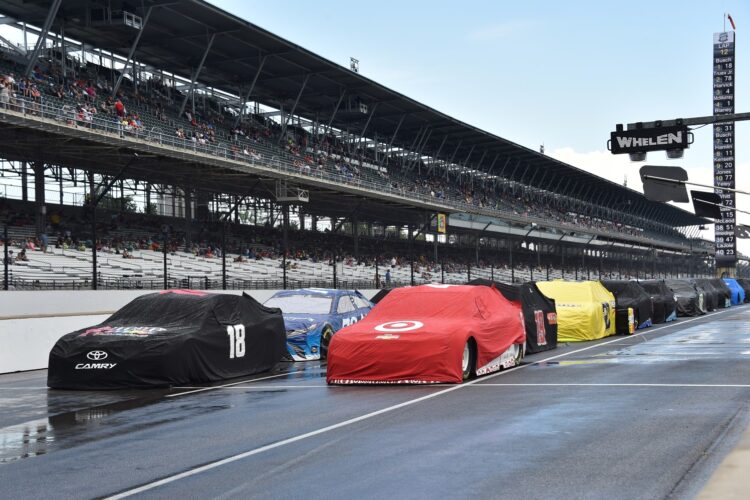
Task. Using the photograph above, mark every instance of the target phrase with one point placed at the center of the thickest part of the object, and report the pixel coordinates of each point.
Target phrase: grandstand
(262, 165)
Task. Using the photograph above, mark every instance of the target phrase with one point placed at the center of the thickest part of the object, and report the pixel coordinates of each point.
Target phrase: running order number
(236, 341)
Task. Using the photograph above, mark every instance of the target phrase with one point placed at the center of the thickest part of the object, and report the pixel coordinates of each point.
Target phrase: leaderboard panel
(724, 174)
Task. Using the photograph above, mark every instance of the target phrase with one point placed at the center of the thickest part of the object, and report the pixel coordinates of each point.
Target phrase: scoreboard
(724, 174)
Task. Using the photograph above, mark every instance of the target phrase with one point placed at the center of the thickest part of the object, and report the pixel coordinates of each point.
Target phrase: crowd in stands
(85, 93)
(126, 234)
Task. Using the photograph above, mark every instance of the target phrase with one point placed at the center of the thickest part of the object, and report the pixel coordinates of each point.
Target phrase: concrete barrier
(31, 322)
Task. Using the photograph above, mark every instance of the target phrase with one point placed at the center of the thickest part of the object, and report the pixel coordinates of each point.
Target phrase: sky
(538, 72)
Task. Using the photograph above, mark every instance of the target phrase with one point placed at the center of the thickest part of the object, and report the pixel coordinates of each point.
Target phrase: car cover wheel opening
(325, 340)
(468, 360)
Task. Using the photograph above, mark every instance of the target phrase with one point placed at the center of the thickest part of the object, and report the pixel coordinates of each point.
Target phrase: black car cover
(629, 294)
(689, 300)
(539, 313)
(662, 298)
(745, 284)
(712, 296)
(725, 291)
(174, 337)
(380, 295)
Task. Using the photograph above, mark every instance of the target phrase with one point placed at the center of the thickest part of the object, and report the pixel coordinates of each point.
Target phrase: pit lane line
(223, 386)
(520, 384)
(367, 416)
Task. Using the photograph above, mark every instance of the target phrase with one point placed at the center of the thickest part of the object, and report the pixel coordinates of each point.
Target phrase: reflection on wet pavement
(78, 417)
(716, 340)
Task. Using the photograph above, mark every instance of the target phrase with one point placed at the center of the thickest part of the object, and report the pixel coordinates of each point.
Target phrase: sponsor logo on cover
(541, 333)
(552, 318)
(399, 326)
(438, 285)
(96, 355)
(505, 360)
(388, 336)
(95, 366)
(123, 331)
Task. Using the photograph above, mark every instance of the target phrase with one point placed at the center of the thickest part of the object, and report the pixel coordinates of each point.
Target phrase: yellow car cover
(585, 309)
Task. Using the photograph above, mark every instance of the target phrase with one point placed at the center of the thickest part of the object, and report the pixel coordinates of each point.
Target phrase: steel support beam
(367, 123)
(417, 138)
(463, 165)
(420, 148)
(197, 73)
(335, 111)
(250, 90)
(131, 52)
(436, 156)
(450, 162)
(51, 14)
(387, 151)
(294, 106)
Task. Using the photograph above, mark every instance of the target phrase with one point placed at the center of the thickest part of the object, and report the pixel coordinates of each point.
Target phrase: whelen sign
(651, 139)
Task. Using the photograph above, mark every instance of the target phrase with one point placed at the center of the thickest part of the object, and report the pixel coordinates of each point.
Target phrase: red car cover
(418, 334)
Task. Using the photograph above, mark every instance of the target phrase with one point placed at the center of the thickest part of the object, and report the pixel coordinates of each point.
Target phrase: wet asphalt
(647, 416)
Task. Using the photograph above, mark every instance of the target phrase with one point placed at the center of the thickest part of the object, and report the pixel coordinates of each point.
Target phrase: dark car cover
(690, 302)
(380, 295)
(174, 337)
(665, 306)
(629, 294)
(725, 291)
(745, 284)
(539, 313)
(712, 296)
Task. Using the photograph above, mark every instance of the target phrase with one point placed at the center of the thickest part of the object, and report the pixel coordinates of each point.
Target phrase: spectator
(120, 109)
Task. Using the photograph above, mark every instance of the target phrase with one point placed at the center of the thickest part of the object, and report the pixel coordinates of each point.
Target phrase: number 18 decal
(236, 341)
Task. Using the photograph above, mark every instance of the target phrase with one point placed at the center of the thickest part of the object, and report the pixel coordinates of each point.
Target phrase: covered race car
(174, 337)
(745, 284)
(711, 295)
(690, 302)
(665, 305)
(738, 293)
(719, 284)
(313, 315)
(585, 309)
(429, 334)
(630, 297)
(539, 313)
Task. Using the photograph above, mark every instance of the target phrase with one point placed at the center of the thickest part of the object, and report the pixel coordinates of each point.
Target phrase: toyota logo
(96, 355)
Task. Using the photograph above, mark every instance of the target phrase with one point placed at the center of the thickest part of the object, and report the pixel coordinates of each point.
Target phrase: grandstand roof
(178, 32)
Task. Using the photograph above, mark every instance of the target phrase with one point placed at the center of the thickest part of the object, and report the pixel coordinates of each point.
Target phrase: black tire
(519, 355)
(469, 360)
(325, 340)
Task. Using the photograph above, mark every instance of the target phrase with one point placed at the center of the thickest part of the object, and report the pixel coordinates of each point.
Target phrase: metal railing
(275, 161)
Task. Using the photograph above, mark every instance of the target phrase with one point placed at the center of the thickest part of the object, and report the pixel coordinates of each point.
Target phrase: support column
(39, 199)
(24, 182)
(189, 219)
(355, 235)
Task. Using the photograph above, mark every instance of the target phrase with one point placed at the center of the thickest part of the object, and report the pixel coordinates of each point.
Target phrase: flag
(731, 21)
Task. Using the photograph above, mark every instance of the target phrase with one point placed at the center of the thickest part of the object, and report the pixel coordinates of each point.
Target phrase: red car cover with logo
(418, 334)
